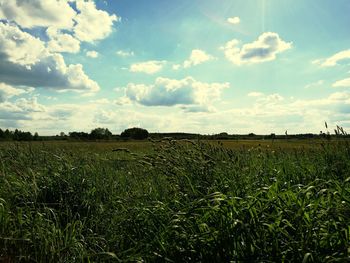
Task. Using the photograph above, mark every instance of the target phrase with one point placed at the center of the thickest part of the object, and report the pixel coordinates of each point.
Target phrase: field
(175, 201)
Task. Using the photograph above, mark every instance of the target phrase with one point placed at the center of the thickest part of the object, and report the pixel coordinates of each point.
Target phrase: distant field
(145, 146)
(175, 201)
(271, 144)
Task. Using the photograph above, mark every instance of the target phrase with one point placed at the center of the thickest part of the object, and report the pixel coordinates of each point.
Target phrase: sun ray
(263, 14)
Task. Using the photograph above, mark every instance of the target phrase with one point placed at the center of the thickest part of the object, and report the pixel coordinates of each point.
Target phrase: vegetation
(179, 201)
(17, 135)
(135, 133)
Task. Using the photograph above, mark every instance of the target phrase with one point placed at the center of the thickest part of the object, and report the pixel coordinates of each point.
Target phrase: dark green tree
(100, 133)
(135, 133)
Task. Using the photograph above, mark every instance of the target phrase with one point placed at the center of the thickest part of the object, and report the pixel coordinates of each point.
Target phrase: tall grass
(181, 202)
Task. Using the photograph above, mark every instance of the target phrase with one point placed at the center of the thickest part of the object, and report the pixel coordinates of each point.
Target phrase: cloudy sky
(204, 66)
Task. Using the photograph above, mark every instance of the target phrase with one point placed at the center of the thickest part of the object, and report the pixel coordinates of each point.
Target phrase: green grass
(174, 201)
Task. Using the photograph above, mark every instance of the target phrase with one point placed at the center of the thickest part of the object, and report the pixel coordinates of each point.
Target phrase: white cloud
(234, 20)
(20, 48)
(176, 67)
(335, 59)
(87, 23)
(7, 91)
(270, 99)
(30, 105)
(148, 67)
(61, 42)
(344, 83)
(264, 49)
(262, 116)
(92, 24)
(123, 101)
(197, 57)
(124, 53)
(314, 84)
(170, 92)
(92, 54)
(255, 94)
(21, 109)
(27, 62)
(101, 101)
(42, 13)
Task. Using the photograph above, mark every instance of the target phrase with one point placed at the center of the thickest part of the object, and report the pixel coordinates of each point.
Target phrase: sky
(201, 66)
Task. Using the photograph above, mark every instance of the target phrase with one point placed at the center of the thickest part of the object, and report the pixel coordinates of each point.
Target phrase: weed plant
(182, 202)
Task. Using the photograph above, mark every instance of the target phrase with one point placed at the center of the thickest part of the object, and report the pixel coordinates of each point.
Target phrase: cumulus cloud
(264, 49)
(148, 67)
(344, 83)
(170, 92)
(85, 21)
(19, 47)
(24, 60)
(124, 53)
(258, 116)
(61, 42)
(197, 57)
(92, 24)
(335, 59)
(43, 13)
(92, 54)
(234, 20)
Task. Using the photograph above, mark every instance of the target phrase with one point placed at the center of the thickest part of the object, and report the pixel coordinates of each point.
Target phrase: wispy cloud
(148, 67)
(335, 59)
(314, 84)
(255, 94)
(124, 53)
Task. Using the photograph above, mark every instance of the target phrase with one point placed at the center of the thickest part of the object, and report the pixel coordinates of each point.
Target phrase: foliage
(180, 202)
(135, 133)
(100, 133)
(95, 134)
(17, 135)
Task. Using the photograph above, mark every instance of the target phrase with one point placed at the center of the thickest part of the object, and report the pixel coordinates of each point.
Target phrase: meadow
(175, 201)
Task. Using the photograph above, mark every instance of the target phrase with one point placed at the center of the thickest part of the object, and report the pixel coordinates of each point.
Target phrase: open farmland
(174, 201)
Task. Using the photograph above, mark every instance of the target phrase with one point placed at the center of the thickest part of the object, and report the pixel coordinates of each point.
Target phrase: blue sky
(239, 66)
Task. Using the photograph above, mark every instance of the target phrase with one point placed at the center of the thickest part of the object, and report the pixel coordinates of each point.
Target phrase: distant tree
(135, 133)
(15, 135)
(100, 133)
(8, 135)
(36, 136)
(79, 135)
(221, 136)
(25, 136)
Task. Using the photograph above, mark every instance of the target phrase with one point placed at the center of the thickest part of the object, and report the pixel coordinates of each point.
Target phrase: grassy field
(175, 201)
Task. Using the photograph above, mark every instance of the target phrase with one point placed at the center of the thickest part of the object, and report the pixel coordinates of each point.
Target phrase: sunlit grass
(175, 201)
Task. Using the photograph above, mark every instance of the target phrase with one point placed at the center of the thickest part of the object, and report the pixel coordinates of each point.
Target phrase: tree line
(17, 135)
(141, 134)
(105, 134)
(95, 134)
